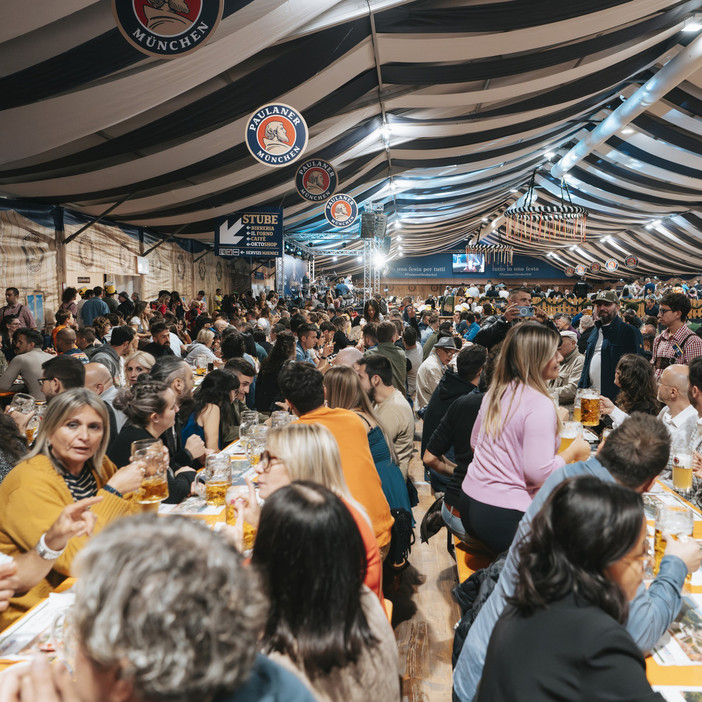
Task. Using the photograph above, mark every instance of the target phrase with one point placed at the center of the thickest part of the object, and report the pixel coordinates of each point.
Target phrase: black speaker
(367, 225)
(381, 224)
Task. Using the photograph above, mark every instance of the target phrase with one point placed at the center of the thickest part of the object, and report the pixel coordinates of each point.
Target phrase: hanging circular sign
(341, 210)
(167, 28)
(580, 270)
(316, 180)
(595, 267)
(631, 261)
(276, 135)
(611, 265)
(570, 271)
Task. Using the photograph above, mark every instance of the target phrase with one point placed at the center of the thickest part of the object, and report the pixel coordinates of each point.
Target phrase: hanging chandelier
(532, 222)
(494, 253)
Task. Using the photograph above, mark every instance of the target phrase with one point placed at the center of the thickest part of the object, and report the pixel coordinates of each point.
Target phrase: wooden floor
(424, 611)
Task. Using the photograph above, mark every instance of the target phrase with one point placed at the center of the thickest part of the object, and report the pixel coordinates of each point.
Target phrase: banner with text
(255, 231)
(456, 265)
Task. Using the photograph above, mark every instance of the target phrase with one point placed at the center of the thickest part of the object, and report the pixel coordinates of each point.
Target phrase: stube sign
(251, 232)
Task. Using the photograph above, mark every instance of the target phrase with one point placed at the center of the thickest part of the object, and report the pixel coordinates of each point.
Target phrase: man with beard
(612, 338)
(391, 406)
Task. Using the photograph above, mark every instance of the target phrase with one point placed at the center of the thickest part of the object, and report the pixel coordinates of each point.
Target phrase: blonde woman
(515, 437)
(202, 346)
(310, 452)
(67, 464)
(343, 389)
(137, 363)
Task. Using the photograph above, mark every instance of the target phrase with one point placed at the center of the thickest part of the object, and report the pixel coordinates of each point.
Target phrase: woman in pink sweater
(515, 437)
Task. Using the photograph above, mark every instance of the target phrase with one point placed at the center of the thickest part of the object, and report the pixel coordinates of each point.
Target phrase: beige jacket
(568, 377)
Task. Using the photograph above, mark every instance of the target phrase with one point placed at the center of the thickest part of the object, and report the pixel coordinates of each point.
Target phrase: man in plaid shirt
(676, 344)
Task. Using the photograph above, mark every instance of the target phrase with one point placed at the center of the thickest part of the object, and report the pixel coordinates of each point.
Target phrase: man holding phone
(518, 308)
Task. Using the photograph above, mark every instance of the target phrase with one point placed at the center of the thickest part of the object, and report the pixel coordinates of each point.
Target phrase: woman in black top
(150, 406)
(562, 637)
(267, 390)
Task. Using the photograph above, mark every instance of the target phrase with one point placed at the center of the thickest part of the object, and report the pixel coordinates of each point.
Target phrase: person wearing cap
(571, 368)
(432, 370)
(126, 306)
(110, 300)
(612, 338)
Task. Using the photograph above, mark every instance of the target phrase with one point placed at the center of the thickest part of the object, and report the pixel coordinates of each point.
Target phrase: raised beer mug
(154, 464)
(590, 407)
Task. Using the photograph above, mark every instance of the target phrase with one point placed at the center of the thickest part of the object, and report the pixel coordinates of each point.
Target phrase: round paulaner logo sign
(341, 210)
(167, 28)
(316, 180)
(276, 135)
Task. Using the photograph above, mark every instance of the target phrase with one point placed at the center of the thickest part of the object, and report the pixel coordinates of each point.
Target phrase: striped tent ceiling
(438, 110)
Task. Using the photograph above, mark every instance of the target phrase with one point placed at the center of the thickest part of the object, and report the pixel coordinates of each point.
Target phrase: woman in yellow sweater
(67, 464)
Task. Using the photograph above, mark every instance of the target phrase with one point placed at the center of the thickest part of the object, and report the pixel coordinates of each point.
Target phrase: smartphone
(526, 311)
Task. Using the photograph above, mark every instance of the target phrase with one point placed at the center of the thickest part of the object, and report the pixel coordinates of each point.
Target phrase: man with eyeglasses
(677, 343)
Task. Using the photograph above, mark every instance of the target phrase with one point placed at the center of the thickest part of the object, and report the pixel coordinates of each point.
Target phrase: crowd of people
(485, 376)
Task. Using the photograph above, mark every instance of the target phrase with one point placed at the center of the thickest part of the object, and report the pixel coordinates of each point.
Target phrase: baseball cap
(110, 289)
(607, 296)
(569, 335)
(446, 343)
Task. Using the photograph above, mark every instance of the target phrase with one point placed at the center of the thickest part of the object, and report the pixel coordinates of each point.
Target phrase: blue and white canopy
(438, 110)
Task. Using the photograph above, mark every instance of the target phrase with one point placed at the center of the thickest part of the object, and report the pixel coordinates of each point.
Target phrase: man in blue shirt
(633, 455)
(94, 307)
(306, 341)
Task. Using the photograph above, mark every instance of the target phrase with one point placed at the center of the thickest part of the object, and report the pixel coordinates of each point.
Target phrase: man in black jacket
(611, 339)
(469, 364)
(491, 334)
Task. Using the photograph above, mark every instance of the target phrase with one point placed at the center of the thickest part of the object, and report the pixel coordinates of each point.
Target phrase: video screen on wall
(469, 263)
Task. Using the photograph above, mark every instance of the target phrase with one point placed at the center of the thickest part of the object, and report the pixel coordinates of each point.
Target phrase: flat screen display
(469, 263)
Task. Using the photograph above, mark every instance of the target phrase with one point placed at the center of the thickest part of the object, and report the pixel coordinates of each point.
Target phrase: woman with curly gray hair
(145, 629)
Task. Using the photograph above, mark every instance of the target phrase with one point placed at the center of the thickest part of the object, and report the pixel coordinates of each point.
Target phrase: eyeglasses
(41, 381)
(264, 464)
(663, 310)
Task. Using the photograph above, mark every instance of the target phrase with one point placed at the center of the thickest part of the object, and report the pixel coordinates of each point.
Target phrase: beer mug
(676, 522)
(218, 477)
(590, 407)
(154, 484)
(681, 463)
(249, 419)
(23, 403)
(280, 418)
(233, 493)
(201, 364)
(256, 444)
(569, 433)
(576, 405)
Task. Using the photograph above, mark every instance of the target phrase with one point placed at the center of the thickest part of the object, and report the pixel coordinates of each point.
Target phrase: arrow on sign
(228, 234)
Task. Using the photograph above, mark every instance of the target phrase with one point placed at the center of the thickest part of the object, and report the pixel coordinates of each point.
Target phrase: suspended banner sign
(167, 28)
(256, 231)
(341, 211)
(611, 264)
(580, 270)
(316, 180)
(276, 135)
(631, 261)
(570, 271)
(595, 267)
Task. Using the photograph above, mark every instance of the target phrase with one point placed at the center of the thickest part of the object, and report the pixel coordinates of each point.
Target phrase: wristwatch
(48, 554)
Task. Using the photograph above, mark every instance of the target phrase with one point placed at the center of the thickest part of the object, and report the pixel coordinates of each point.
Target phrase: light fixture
(485, 219)
(399, 238)
(335, 258)
(359, 259)
(693, 24)
(627, 130)
(514, 190)
(550, 155)
(385, 131)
